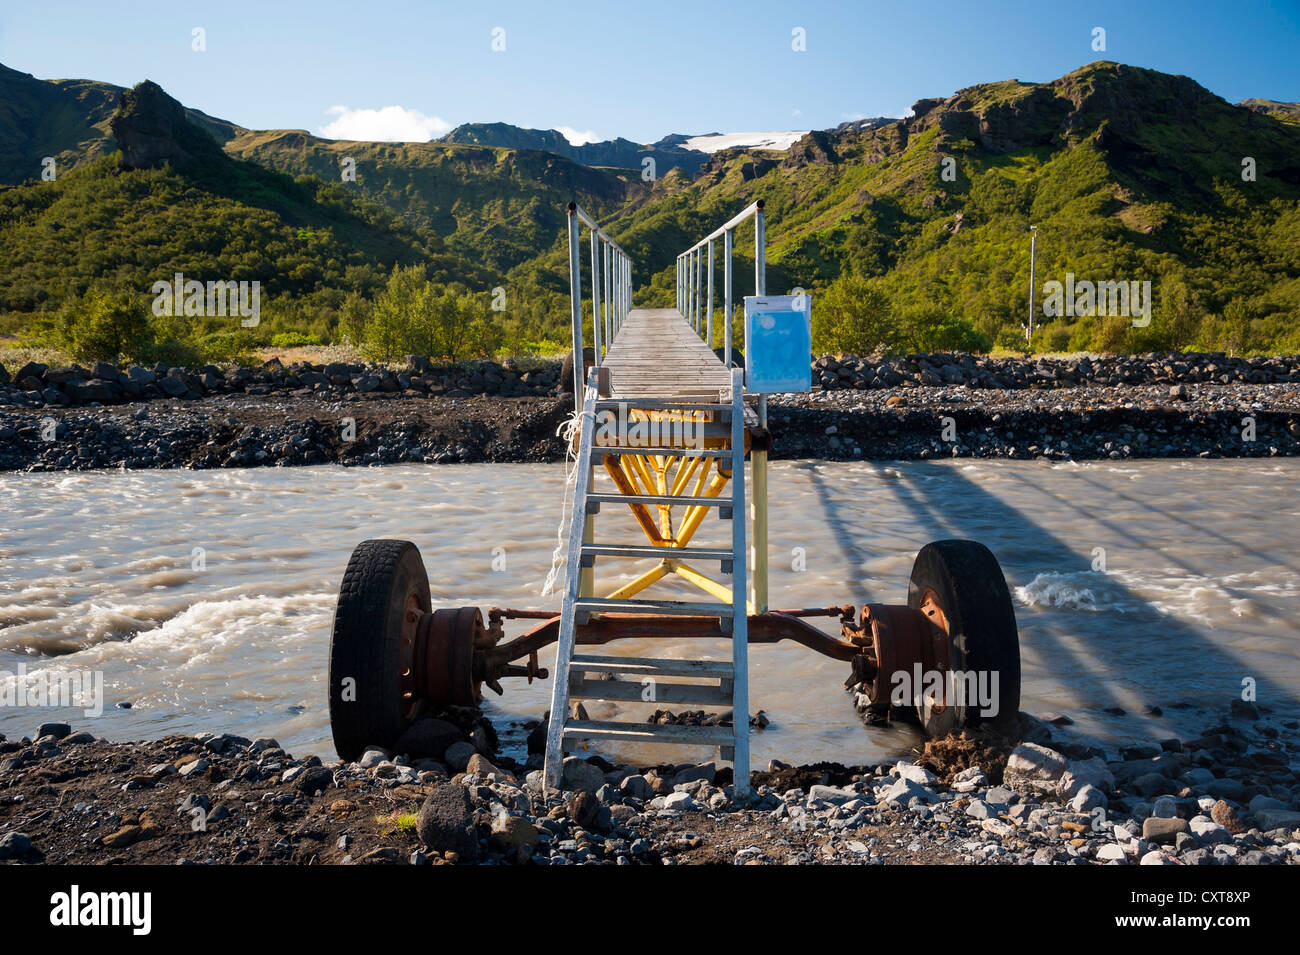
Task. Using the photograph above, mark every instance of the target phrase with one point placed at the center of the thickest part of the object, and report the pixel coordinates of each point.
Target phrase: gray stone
(580, 774)
(903, 791)
(914, 773)
(314, 779)
(373, 756)
(445, 822)
(1156, 857)
(681, 801)
(1262, 803)
(705, 771)
(1208, 831)
(1162, 830)
(1088, 798)
(428, 738)
(1112, 853)
(1225, 788)
(636, 787)
(14, 845)
(831, 794)
(1085, 772)
(458, 755)
(1034, 768)
(1271, 819)
(1150, 784)
(1166, 807)
(60, 730)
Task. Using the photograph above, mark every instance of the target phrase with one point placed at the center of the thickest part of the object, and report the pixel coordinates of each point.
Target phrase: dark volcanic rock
(446, 822)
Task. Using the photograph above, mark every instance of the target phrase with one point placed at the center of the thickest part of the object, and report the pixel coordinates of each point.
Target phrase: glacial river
(205, 599)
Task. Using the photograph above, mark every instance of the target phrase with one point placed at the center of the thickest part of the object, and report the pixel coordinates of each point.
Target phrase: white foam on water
(1200, 581)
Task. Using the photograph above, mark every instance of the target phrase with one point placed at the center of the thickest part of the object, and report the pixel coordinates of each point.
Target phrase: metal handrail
(691, 280)
(690, 285)
(611, 291)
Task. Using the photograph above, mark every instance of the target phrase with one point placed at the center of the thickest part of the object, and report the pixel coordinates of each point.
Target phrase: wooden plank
(657, 354)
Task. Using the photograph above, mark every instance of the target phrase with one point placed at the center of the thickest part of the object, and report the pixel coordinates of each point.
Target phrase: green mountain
(171, 200)
(66, 119)
(492, 205)
(1127, 173)
(668, 153)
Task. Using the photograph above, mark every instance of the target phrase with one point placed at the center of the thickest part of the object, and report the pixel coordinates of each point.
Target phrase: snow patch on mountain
(715, 141)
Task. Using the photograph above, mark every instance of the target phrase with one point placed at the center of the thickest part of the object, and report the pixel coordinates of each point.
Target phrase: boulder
(445, 822)
(578, 774)
(1034, 768)
(428, 738)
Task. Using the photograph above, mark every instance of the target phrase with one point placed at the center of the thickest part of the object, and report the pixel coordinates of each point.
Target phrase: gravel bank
(1227, 797)
(904, 423)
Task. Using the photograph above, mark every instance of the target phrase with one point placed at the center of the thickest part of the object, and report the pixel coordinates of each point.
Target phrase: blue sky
(639, 70)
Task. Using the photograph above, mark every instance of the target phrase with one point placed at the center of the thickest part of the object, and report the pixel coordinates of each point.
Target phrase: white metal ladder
(732, 676)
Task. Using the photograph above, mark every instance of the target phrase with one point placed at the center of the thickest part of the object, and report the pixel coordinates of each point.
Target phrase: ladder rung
(644, 551)
(649, 666)
(670, 608)
(650, 733)
(598, 450)
(668, 500)
(658, 404)
(628, 691)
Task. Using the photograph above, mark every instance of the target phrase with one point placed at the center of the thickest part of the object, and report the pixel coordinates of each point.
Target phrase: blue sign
(778, 343)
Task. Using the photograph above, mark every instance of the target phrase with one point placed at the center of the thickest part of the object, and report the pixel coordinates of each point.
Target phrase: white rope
(566, 432)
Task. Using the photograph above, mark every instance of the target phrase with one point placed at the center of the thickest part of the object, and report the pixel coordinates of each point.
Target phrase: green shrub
(102, 326)
(294, 340)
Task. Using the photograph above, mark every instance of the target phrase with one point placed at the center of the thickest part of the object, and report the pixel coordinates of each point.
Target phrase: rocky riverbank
(36, 385)
(286, 428)
(1227, 797)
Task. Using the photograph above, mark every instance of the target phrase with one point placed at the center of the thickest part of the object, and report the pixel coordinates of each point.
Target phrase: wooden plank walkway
(658, 355)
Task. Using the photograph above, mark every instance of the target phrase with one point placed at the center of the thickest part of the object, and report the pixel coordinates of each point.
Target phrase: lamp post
(1033, 242)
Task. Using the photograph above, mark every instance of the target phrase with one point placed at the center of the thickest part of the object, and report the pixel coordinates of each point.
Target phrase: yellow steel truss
(668, 476)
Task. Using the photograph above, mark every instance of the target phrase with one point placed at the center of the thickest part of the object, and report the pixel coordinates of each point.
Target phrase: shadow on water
(1141, 647)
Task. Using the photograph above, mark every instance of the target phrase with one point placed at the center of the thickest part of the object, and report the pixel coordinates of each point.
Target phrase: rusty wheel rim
(933, 610)
(412, 613)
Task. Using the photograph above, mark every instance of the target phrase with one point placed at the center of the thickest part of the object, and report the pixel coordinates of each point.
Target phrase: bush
(928, 328)
(293, 340)
(853, 315)
(104, 327)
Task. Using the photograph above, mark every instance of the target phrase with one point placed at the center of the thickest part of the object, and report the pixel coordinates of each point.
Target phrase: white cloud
(578, 137)
(392, 124)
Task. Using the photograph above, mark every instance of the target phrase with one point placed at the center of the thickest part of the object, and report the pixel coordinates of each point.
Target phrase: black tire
(366, 646)
(982, 635)
(737, 356)
(566, 368)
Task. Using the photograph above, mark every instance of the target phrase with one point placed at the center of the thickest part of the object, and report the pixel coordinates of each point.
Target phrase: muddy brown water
(205, 599)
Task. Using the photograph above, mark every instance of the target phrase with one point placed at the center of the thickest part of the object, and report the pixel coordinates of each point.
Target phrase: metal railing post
(608, 298)
(595, 291)
(699, 287)
(758, 459)
(708, 314)
(726, 297)
(575, 306)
